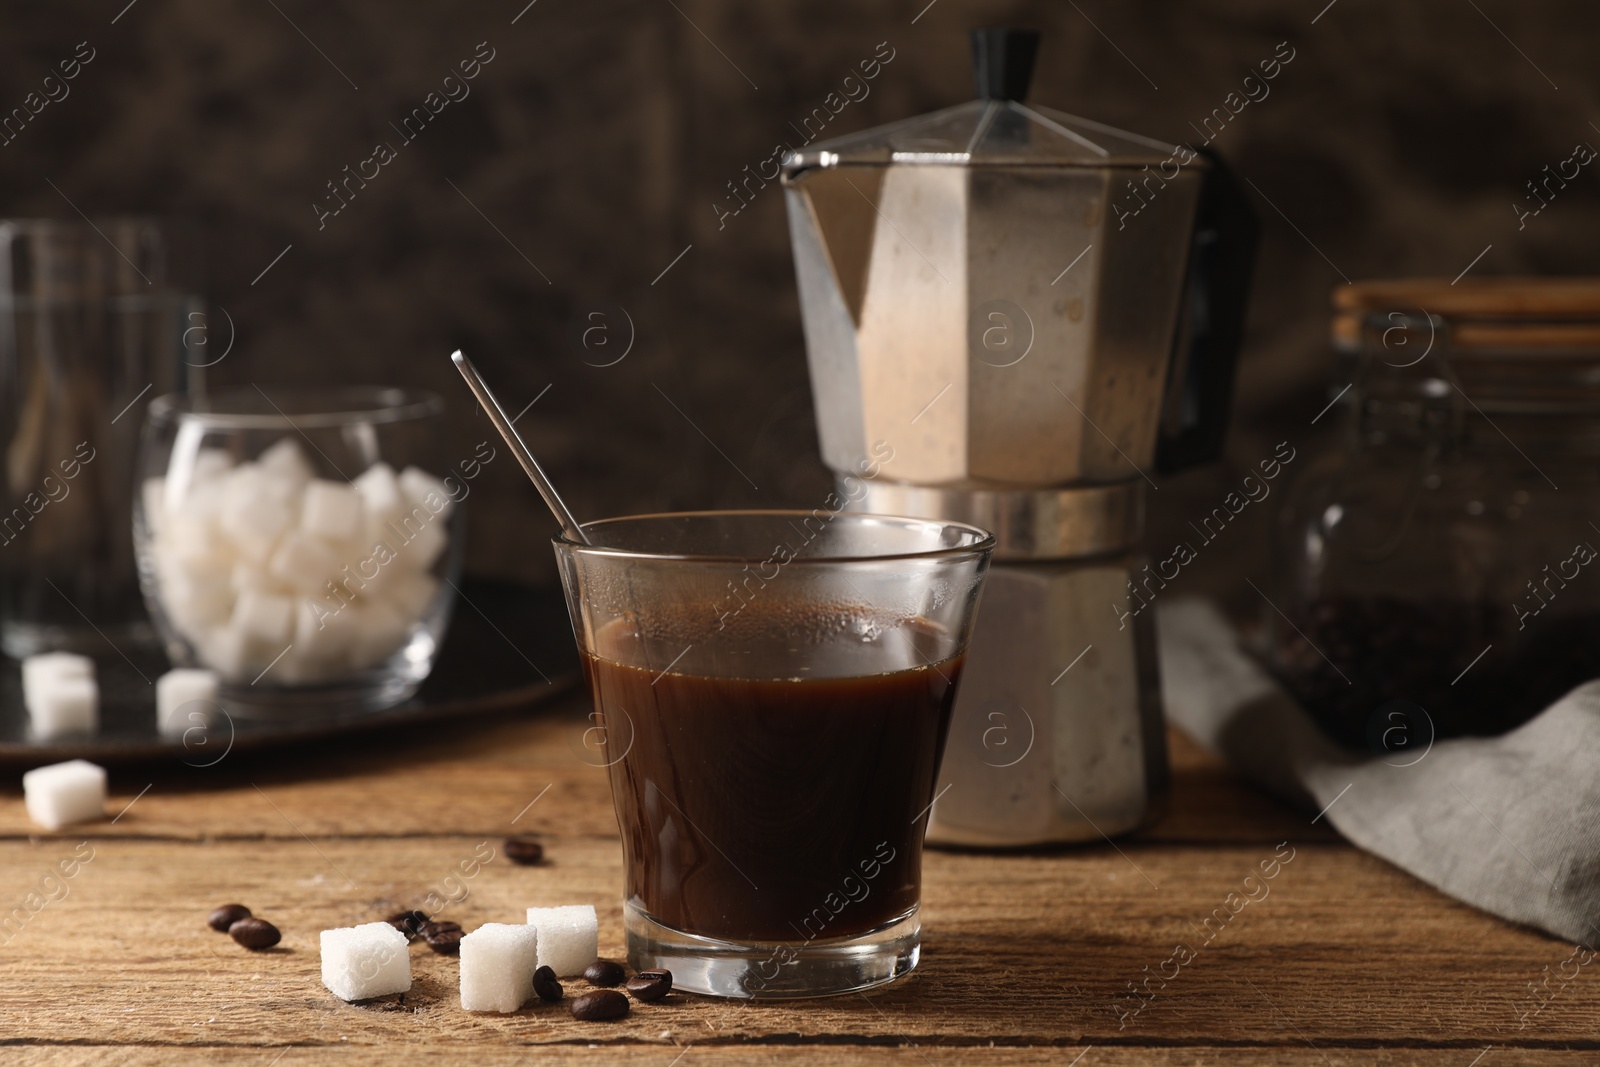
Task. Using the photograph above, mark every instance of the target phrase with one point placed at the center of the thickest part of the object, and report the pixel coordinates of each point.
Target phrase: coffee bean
(409, 923)
(650, 985)
(605, 972)
(443, 937)
(226, 916)
(545, 984)
(254, 933)
(599, 1006)
(523, 850)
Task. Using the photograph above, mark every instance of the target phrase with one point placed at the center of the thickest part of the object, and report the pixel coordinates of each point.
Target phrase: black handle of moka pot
(1002, 61)
(1218, 290)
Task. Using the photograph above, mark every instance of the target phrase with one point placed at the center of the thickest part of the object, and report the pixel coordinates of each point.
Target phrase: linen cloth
(1509, 824)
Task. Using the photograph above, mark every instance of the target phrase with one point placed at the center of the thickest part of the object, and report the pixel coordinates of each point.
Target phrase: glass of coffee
(772, 693)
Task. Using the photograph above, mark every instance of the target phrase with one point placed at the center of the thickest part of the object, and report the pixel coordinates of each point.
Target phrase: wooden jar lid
(1487, 313)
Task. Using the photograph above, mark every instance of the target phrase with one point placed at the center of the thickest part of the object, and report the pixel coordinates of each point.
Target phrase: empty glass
(94, 321)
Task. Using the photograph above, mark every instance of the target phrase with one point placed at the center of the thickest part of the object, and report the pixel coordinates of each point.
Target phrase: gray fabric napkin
(1508, 824)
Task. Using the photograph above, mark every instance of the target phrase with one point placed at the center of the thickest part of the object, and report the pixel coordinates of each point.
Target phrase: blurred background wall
(592, 154)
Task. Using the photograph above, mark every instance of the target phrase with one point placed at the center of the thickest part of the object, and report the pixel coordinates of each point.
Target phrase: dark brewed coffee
(759, 810)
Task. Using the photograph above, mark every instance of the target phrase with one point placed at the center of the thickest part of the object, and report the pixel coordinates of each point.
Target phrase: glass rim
(307, 408)
(40, 223)
(983, 543)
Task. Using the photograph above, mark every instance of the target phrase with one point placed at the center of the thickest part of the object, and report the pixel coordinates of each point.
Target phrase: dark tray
(507, 645)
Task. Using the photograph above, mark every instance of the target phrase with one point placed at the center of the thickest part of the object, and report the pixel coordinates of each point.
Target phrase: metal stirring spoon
(530, 466)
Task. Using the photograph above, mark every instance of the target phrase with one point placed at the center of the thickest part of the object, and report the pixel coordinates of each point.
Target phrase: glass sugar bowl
(1439, 569)
(303, 544)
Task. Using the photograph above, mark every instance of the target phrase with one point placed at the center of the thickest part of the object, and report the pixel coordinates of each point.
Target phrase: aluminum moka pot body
(1016, 317)
(998, 315)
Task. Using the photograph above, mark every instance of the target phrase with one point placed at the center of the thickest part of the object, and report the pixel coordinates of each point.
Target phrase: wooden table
(1028, 958)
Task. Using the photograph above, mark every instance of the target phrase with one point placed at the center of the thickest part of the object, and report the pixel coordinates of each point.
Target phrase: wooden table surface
(1027, 958)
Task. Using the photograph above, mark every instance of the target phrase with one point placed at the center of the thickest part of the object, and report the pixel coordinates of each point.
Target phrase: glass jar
(303, 544)
(95, 318)
(1443, 559)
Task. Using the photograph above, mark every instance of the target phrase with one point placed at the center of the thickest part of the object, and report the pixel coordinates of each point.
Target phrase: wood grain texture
(1344, 957)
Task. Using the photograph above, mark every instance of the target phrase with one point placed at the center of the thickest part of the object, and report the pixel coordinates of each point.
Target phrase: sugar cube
(210, 463)
(54, 664)
(418, 539)
(196, 607)
(64, 705)
(287, 460)
(364, 961)
(59, 691)
(256, 510)
(264, 616)
(179, 688)
(304, 562)
(64, 793)
(233, 654)
(326, 628)
(333, 511)
(569, 937)
(497, 965)
(380, 492)
(422, 489)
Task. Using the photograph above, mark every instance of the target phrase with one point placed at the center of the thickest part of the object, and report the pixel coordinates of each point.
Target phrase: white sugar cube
(326, 629)
(55, 665)
(256, 509)
(569, 937)
(287, 460)
(300, 668)
(380, 492)
(418, 539)
(364, 961)
(333, 511)
(497, 965)
(232, 654)
(264, 616)
(65, 793)
(303, 562)
(422, 489)
(196, 607)
(59, 691)
(60, 706)
(209, 464)
(194, 544)
(178, 688)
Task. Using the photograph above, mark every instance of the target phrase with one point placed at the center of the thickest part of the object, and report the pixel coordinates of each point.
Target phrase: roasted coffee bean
(443, 937)
(254, 933)
(523, 850)
(545, 984)
(650, 985)
(226, 916)
(605, 972)
(599, 1006)
(409, 923)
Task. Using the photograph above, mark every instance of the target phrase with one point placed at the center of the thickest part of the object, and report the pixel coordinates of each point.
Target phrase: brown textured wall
(596, 141)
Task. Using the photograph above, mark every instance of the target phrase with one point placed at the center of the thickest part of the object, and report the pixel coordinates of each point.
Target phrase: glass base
(20, 640)
(779, 970)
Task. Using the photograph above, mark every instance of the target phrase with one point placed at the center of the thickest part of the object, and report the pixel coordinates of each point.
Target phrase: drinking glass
(772, 694)
(304, 544)
(95, 319)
